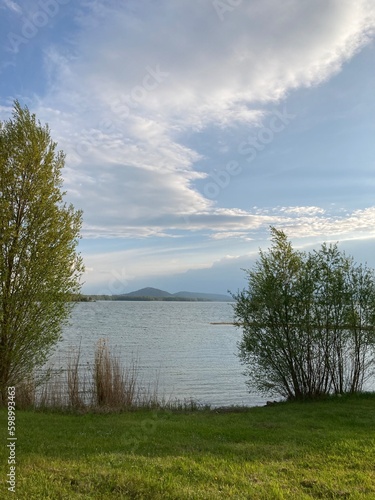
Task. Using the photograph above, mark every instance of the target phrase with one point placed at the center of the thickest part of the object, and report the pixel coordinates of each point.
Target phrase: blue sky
(191, 127)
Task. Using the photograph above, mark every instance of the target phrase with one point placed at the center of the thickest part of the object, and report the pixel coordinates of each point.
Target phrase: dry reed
(103, 384)
(115, 386)
(26, 393)
(75, 386)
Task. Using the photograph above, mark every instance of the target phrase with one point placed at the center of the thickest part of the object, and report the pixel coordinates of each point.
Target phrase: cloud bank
(140, 88)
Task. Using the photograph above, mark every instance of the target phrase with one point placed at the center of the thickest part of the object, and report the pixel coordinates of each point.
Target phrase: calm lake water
(173, 342)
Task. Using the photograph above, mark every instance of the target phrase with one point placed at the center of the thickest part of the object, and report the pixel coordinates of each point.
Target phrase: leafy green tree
(39, 232)
(308, 322)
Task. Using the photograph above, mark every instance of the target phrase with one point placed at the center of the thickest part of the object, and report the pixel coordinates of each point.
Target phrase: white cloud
(301, 210)
(212, 71)
(300, 222)
(128, 92)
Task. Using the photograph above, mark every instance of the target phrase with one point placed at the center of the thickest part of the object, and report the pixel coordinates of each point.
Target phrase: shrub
(308, 322)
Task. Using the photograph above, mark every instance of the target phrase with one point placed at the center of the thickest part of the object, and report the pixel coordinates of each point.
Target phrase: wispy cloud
(229, 224)
(241, 233)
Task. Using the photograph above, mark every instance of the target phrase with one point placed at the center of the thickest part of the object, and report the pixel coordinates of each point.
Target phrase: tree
(39, 266)
(308, 322)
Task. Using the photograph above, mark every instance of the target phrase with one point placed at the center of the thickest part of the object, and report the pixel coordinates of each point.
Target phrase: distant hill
(150, 293)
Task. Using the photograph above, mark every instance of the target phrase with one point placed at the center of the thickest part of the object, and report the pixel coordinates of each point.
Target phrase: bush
(308, 322)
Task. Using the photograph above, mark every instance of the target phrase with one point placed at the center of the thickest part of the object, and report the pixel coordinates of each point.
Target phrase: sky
(191, 127)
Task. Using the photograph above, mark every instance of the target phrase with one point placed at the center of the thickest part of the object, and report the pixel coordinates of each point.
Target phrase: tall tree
(39, 266)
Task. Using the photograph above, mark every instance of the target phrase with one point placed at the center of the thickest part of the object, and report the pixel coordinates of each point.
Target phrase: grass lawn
(286, 451)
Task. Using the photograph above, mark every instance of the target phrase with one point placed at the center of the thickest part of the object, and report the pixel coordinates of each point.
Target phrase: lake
(173, 342)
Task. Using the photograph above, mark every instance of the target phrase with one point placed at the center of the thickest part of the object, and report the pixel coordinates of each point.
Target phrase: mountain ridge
(148, 292)
(156, 293)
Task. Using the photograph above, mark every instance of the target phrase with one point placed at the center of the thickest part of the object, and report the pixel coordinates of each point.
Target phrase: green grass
(286, 451)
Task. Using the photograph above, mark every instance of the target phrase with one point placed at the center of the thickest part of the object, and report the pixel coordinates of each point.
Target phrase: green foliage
(39, 266)
(308, 322)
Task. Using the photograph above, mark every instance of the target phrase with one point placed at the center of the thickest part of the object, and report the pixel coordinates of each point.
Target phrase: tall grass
(103, 384)
(26, 393)
(115, 386)
(75, 387)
